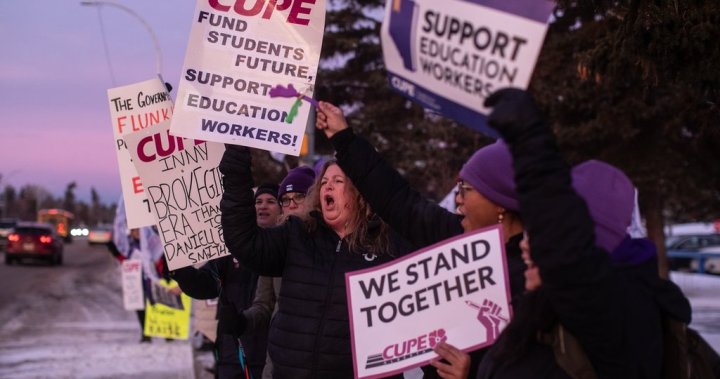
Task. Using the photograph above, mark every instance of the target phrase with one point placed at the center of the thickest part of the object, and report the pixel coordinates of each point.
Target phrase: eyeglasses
(462, 188)
(298, 199)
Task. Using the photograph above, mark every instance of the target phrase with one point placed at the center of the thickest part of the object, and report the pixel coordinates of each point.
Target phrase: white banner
(235, 55)
(133, 108)
(450, 55)
(132, 285)
(184, 188)
(456, 290)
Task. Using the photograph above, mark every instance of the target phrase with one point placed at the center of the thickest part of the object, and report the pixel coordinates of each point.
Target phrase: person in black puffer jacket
(310, 334)
(234, 286)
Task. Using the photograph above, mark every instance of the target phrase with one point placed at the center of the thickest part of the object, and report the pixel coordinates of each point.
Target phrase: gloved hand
(230, 321)
(234, 160)
(514, 113)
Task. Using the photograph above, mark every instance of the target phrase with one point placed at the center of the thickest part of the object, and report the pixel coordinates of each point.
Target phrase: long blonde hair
(360, 236)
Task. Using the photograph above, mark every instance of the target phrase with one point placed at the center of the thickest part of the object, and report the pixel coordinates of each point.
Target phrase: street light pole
(156, 44)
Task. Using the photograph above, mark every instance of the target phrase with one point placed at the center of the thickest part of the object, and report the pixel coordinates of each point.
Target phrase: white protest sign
(184, 188)
(133, 108)
(132, 285)
(235, 55)
(450, 55)
(456, 290)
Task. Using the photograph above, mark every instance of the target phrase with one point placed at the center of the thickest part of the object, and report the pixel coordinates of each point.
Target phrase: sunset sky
(54, 78)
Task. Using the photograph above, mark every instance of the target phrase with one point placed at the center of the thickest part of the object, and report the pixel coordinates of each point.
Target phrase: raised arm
(260, 250)
(415, 218)
(555, 216)
(576, 275)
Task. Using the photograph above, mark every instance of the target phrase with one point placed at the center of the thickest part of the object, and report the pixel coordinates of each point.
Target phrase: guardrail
(693, 254)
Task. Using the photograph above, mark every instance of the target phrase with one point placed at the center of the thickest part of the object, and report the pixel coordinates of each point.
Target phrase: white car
(100, 235)
(712, 265)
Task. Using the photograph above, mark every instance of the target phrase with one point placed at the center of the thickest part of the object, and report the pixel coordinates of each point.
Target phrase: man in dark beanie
(267, 207)
(235, 288)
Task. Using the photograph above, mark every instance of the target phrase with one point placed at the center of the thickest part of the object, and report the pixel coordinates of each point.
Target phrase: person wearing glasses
(485, 195)
(292, 193)
(293, 190)
(235, 287)
(310, 334)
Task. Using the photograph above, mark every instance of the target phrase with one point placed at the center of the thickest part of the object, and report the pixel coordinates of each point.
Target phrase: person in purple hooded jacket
(595, 303)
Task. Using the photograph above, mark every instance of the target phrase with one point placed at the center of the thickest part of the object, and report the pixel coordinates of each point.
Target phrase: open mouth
(329, 200)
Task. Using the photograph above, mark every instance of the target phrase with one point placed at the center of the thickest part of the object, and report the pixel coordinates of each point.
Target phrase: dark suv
(34, 240)
(6, 227)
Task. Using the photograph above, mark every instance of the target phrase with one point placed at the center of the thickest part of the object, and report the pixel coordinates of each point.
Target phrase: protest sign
(161, 295)
(167, 322)
(456, 290)
(132, 285)
(448, 56)
(133, 108)
(184, 187)
(235, 55)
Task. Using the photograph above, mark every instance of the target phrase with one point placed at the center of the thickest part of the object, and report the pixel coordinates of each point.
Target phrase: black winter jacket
(310, 334)
(418, 220)
(599, 303)
(234, 286)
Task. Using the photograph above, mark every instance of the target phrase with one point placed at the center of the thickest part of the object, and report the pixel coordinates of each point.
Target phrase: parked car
(6, 227)
(36, 241)
(711, 265)
(689, 243)
(100, 234)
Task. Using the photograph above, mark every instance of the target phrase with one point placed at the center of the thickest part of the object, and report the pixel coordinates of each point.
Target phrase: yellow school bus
(60, 219)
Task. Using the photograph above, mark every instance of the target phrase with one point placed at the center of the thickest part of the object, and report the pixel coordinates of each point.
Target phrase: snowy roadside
(703, 292)
(70, 323)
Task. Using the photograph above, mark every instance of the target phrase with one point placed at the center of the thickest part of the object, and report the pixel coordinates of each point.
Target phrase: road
(69, 322)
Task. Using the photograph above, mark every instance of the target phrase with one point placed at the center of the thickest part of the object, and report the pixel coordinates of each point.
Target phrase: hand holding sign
(330, 119)
(458, 362)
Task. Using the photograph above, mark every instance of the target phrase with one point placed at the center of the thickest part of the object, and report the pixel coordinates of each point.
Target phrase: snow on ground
(703, 292)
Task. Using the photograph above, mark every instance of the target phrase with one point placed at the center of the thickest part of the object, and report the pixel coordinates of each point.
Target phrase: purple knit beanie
(298, 179)
(490, 172)
(610, 198)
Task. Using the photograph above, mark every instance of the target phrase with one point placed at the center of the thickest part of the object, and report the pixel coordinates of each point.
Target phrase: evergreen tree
(69, 199)
(636, 84)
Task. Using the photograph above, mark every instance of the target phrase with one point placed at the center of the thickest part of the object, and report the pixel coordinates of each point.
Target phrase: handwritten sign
(184, 188)
(235, 55)
(133, 108)
(167, 322)
(455, 290)
(131, 273)
(450, 55)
